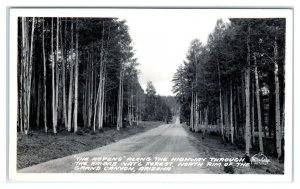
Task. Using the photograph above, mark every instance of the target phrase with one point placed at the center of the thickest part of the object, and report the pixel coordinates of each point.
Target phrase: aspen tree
(54, 118)
(260, 135)
(70, 100)
(76, 81)
(277, 101)
(247, 96)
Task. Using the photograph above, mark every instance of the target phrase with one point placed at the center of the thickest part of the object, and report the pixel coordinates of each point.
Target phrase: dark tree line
(77, 73)
(156, 107)
(236, 83)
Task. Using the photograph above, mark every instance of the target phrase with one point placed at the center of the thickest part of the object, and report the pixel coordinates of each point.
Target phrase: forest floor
(212, 146)
(40, 147)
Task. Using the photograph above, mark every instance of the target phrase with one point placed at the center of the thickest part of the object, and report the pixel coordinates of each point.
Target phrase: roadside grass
(211, 146)
(40, 147)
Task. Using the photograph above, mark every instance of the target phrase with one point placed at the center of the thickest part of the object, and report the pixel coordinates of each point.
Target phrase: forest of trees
(80, 73)
(236, 81)
(156, 107)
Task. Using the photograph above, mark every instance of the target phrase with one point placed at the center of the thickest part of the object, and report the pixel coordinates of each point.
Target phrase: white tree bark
(23, 108)
(120, 101)
(226, 116)
(221, 107)
(89, 86)
(100, 91)
(30, 76)
(38, 102)
(71, 81)
(247, 95)
(197, 113)
(252, 116)
(231, 115)
(65, 118)
(192, 113)
(54, 118)
(76, 82)
(130, 116)
(91, 89)
(206, 121)
(277, 102)
(57, 71)
(44, 78)
(102, 100)
(260, 134)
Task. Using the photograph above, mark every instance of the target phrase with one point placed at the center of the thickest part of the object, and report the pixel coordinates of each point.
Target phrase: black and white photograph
(163, 92)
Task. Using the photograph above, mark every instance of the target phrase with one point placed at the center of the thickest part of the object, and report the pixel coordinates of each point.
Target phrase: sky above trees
(161, 41)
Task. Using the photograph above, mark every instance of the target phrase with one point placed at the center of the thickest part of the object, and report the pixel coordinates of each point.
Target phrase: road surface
(135, 154)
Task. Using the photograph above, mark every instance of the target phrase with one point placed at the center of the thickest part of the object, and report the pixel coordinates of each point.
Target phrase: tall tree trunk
(247, 95)
(38, 102)
(252, 116)
(192, 113)
(57, 70)
(130, 109)
(63, 67)
(76, 81)
(200, 118)
(91, 92)
(20, 91)
(96, 108)
(44, 78)
(26, 76)
(235, 119)
(102, 94)
(84, 98)
(243, 103)
(260, 134)
(84, 109)
(89, 104)
(88, 86)
(231, 115)
(197, 113)
(277, 102)
(71, 80)
(100, 91)
(120, 101)
(137, 109)
(206, 121)
(30, 75)
(221, 108)
(34, 89)
(22, 78)
(226, 115)
(102, 97)
(98, 97)
(240, 127)
(105, 114)
(54, 119)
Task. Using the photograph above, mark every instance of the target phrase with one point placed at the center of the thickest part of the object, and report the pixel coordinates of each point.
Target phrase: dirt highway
(166, 141)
